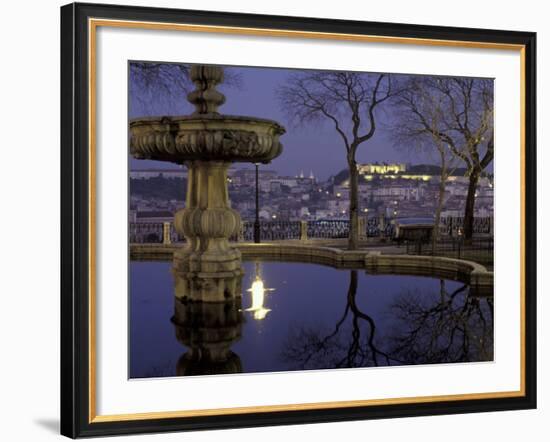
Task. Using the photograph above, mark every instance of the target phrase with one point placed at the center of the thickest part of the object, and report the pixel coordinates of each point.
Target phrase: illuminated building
(381, 169)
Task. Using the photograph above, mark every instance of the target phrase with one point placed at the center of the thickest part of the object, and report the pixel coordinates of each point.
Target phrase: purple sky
(316, 148)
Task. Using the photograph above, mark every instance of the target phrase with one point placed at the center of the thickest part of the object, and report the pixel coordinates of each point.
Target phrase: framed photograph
(276, 220)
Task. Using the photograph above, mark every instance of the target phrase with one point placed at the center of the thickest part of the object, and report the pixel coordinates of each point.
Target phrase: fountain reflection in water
(208, 330)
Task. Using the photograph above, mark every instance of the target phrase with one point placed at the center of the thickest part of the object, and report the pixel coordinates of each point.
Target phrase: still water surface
(308, 317)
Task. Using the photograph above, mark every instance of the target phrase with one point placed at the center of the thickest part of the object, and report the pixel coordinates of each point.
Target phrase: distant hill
(430, 169)
(417, 169)
(341, 176)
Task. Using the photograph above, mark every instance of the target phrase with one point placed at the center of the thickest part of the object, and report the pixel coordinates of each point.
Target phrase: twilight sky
(313, 147)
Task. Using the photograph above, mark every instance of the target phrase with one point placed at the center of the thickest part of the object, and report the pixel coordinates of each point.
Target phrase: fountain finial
(205, 97)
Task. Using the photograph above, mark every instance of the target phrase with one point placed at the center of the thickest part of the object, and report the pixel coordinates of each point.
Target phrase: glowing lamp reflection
(258, 291)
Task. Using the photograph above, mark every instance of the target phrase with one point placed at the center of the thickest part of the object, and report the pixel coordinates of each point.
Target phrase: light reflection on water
(296, 316)
(258, 292)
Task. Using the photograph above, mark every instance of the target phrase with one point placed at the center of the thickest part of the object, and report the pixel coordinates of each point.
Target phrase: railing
(175, 236)
(450, 225)
(328, 229)
(478, 249)
(369, 227)
(376, 227)
(271, 230)
(146, 232)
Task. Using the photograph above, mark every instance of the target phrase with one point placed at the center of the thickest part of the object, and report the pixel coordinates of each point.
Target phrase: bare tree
(153, 84)
(416, 98)
(346, 100)
(464, 125)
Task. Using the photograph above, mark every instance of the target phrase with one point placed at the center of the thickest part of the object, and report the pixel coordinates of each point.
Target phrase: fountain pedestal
(210, 263)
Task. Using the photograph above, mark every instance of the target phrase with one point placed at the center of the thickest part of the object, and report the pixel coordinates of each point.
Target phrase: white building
(341, 192)
(287, 181)
(457, 189)
(264, 214)
(338, 206)
(322, 214)
(392, 192)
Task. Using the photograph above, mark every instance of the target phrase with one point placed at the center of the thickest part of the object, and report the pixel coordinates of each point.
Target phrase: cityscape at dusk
(409, 190)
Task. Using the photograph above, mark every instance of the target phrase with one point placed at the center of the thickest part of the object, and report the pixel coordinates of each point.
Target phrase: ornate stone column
(210, 263)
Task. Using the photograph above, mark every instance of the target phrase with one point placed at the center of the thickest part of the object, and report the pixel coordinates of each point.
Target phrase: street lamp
(257, 220)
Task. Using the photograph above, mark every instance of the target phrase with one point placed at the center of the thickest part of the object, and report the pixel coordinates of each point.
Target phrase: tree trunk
(353, 236)
(442, 185)
(437, 220)
(468, 224)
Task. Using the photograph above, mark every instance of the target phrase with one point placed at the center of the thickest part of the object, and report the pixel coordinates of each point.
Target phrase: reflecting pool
(300, 316)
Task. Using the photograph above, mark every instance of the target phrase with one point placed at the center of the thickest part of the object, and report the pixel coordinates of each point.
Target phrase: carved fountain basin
(208, 137)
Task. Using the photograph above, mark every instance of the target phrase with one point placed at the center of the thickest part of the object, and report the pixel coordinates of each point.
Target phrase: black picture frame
(75, 220)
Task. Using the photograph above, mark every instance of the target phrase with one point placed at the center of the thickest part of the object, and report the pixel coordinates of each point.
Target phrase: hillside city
(393, 190)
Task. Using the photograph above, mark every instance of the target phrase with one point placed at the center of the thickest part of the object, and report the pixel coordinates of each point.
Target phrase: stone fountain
(207, 143)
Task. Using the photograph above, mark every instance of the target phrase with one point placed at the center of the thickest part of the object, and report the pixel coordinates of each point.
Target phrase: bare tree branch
(154, 86)
(463, 111)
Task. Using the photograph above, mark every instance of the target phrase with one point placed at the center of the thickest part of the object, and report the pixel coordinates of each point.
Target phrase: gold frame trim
(93, 24)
